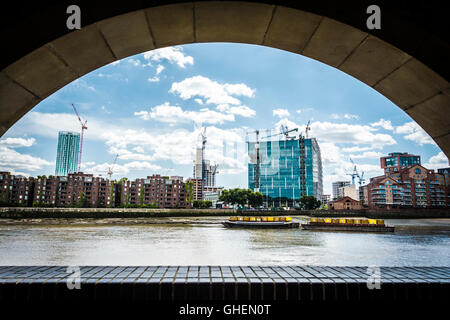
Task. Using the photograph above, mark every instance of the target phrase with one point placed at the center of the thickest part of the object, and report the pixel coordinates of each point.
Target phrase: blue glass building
(288, 169)
(67, 153)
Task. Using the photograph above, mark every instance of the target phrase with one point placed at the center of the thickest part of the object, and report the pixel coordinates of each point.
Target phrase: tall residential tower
(67, 153)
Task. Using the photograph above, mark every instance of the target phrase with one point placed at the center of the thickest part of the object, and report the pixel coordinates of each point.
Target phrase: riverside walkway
(177, 283)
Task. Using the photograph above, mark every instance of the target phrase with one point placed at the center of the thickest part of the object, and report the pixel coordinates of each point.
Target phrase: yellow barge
(346, 224)
(261, 222)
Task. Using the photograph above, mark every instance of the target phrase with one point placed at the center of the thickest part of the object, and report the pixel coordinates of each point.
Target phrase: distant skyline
(149, 108)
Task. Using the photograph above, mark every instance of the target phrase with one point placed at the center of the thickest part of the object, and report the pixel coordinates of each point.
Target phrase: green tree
(100, 202)
(207, 204)
(255, 199)
(242, 197)
(82, 201)
(309, 203)
(190, 191)
(197, 204)
(127, 200)
(141, 196)
(202, 204)
(111, 195)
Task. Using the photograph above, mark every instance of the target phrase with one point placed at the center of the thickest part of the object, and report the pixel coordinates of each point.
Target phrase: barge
(261, 222)
(341, 224)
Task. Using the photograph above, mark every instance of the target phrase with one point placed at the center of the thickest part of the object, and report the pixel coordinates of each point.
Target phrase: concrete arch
(415, 79)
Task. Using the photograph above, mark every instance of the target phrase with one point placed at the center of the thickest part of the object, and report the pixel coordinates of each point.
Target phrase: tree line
(244, 197)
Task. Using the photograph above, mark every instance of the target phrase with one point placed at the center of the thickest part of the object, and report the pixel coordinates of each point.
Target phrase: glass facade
(288, 169)
(67, 153)
(409, 161)
(396, 161)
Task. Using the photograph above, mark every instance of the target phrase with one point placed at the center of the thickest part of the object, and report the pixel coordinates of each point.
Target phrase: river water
(204, 241)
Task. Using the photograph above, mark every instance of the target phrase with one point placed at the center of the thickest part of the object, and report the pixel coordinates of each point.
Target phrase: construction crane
(257, 160)
(110, 169)
(284, 131)
(203, 135)
(307, 129)
(356, 174)
(361, 180)
(83, 127)
(213, 173)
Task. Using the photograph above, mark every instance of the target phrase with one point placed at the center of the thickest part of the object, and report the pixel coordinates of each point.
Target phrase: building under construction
(204, 173)
(284, 166)
(204, 170)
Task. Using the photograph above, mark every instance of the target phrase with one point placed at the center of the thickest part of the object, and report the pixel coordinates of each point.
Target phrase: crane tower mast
(83, 127)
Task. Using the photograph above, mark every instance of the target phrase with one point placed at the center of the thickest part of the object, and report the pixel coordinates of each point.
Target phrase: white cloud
(385, 124)
(438, 161)
(171, 54)
(87, 164)
(104, 75)
(348, 133)
(358, 135)
(153, 79)
(17, 142)
(304, 110)
(330, 153)
(355, 149)
(125, 154)
(412, 131)
(344, 116)
(80, 84)
(122, 169)
(138, 145)
(367, 155)
(48, 124)
(243, 111)
(141, 165)
(337, 166)
(179, 145)
(103, 108)
(144, 115)
(175, 114)
(199, 101)
(134, 62)
(11, 160)
(139, 149)
(212, 91)
(280, 113)
(331, 136)
(159, 69)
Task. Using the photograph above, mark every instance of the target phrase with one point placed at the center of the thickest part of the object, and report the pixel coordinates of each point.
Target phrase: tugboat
(341, 224)
(261, 222)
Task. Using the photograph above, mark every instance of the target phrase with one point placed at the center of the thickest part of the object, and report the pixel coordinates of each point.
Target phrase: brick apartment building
(16, 189)
(406, 183)
(163, 192)
(76, 188)
(198, 188)
(89, 191)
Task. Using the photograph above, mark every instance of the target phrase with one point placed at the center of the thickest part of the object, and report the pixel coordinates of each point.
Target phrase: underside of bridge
(406, 60)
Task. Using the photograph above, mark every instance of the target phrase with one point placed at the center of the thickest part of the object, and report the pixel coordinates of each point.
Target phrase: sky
(150, 109)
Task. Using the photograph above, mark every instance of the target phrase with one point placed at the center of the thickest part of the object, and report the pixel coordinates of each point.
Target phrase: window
(417, 171)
